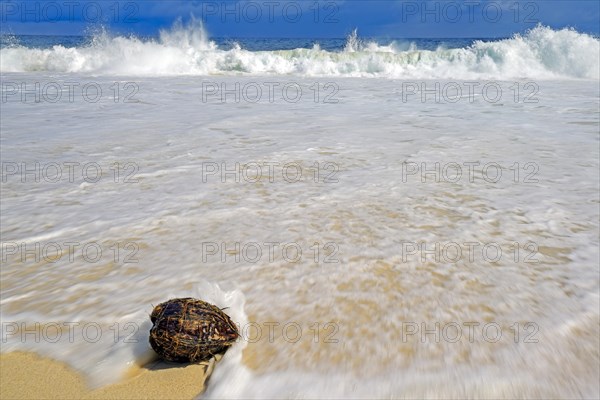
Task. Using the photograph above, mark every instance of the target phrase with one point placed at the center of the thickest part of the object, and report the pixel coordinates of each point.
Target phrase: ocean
(408, 218)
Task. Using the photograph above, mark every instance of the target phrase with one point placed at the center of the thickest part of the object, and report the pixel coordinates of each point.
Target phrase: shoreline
(27, 375)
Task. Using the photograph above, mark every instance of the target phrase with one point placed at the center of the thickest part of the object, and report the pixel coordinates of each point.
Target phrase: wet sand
(29, 376)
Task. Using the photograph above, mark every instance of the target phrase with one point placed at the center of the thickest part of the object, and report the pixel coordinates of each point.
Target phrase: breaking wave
(542, 53)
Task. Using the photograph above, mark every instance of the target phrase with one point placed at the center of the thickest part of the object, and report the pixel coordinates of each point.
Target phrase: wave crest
(186, 50)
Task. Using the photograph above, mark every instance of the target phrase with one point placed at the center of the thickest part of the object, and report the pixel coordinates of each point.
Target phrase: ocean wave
(542, 53)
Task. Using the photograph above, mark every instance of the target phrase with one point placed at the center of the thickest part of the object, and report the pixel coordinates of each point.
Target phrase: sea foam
(187, 50)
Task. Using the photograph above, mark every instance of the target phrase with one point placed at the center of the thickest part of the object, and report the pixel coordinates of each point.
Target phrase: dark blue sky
(302, 19)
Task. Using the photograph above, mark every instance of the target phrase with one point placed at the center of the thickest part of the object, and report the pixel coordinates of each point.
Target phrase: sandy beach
(34, 377)
(381, 217)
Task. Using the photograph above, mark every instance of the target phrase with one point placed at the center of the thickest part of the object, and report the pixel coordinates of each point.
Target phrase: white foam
(369, 134)
(186, 50)
(104, 348)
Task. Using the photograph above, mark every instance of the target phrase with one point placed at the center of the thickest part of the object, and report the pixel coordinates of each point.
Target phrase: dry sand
(29, 376)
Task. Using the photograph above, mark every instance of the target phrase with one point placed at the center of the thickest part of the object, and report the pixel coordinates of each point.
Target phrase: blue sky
(302, 19)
